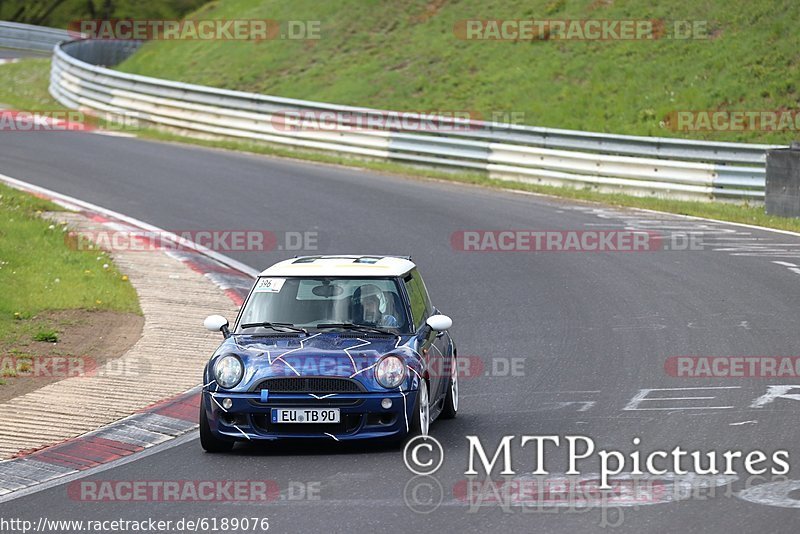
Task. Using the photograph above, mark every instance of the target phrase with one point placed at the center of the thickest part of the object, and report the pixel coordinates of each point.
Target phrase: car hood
(326, 354)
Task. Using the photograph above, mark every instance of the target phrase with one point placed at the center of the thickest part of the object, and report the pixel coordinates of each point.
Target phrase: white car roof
(342, 265)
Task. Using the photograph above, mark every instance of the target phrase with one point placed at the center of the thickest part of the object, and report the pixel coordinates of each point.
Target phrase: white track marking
(734, 239)
(737, 238)
(776, 392)
(642, 396)
(563, 391)
(112, 133)
(778, 493)
(584, 405)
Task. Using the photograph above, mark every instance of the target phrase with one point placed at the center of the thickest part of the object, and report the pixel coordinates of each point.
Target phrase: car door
(434, 346)
(440, 348)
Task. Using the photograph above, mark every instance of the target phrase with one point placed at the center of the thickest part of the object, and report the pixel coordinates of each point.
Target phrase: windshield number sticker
(269, 285)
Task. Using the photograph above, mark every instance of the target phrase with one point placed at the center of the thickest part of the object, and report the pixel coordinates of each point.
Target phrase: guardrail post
(783, 181)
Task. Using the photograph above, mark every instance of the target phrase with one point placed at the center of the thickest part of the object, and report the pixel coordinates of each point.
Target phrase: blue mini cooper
(330, 347)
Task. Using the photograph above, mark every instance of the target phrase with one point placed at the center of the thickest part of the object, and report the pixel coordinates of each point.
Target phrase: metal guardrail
(28, 37)
(665, 167)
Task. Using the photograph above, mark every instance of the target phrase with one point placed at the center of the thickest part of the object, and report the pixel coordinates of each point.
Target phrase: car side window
(418, 297)
(425, 296)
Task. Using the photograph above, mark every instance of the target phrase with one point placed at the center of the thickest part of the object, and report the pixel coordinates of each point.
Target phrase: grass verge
(40, 273)
(23, 85)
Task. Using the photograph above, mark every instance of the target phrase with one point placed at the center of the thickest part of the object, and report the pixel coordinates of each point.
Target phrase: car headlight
(228, 371)
(390, 371)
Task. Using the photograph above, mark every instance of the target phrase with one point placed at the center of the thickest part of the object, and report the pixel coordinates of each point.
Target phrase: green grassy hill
(404, 55)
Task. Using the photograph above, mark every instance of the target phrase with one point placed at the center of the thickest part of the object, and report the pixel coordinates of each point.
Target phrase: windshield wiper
(357, 327)
(287, 327)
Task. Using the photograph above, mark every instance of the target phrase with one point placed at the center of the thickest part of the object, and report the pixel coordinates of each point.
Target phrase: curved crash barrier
(664, 167)
(29, 37)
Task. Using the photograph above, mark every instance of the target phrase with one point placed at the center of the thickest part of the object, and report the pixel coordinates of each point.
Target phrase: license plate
(305, 415)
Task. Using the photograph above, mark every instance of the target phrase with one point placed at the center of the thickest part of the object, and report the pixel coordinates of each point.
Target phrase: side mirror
(439, 322)
(217, 323)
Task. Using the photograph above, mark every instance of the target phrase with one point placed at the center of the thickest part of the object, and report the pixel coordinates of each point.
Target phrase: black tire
(209, 441)
(450, 409)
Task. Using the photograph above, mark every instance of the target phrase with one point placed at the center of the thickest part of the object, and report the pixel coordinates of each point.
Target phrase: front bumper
(362, 416)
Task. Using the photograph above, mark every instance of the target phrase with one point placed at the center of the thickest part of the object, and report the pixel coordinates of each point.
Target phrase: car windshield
(323, 303)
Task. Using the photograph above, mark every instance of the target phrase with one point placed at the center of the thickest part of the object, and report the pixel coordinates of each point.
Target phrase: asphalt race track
(593, 330)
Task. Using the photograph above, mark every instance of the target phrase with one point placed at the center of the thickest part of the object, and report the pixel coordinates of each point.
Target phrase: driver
(371, 308)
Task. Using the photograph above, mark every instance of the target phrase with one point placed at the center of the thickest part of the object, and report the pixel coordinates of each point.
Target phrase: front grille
(327, 402)
(310, 384)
